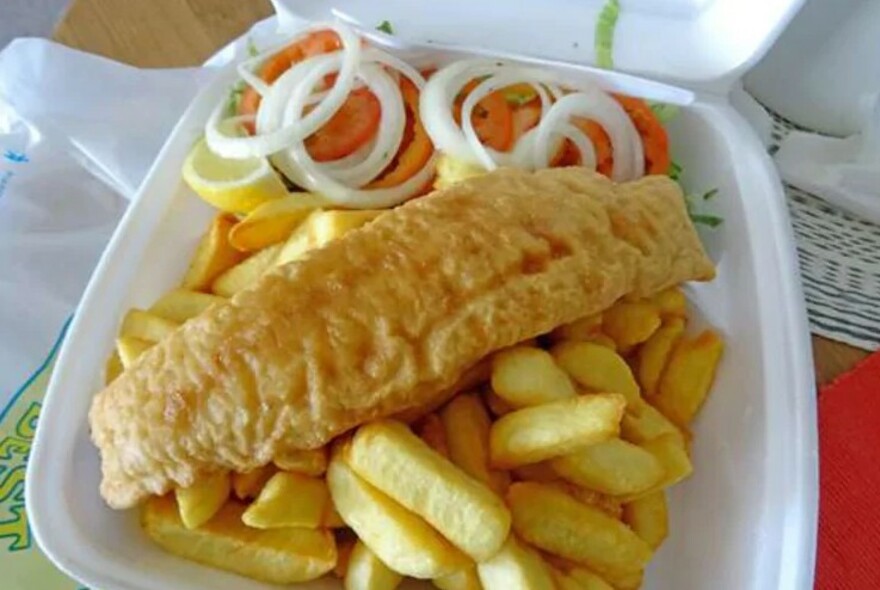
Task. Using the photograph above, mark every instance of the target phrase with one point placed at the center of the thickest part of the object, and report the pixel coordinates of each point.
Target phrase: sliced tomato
(356, 121)
(416, 147)
(492, 118)
(654, 137)
(525, 117)
(601, 143)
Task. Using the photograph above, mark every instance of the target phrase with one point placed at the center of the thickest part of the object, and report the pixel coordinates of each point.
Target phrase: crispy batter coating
(386, 320)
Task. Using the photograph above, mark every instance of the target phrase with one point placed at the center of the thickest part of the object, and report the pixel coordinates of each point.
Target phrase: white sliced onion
(298, 104)
(264, 144)
(535, 149)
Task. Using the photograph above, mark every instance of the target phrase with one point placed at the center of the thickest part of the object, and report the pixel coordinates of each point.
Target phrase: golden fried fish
(385, 320)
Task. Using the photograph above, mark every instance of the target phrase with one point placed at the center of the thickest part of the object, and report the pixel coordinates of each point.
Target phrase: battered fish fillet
(385, 320)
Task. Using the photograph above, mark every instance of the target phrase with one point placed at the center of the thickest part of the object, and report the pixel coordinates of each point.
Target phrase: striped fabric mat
(839, 260)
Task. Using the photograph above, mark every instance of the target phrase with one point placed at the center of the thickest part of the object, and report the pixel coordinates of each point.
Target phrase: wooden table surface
(173, 33)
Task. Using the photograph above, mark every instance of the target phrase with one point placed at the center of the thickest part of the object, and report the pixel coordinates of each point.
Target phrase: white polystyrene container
(744, 521)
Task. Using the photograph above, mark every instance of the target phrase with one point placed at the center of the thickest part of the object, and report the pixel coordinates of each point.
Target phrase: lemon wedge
(236, 186)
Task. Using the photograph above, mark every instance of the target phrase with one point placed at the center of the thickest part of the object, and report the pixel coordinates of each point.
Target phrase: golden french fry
(567, 580)
(527, 376)
(646, 423)
(557, 523)
(467, 426)
(367, 572)
(401, 539)
(322, 227)
(248, 485)
(112, 368)
(613, 467)
(604, 340)
(598, 368)
(387, 455)
(671, 302)
(144, 325)
(542, 432)
(607, 504)
(180, 305)
(588, 580)
(688, 377)
(515, 567)
(431, 430)
(213, 256)
(199, 502)
(344, 547)
(497, 405)
(246, 273)
(289, 500)
(579, 330)
(649, 518)
(129, 348)
(630, 581)
(281, 556)
(452, 170)
(654, 354)
(466, 579)
(630, 323)
(273, 221)
(674, 458)
(313, 462)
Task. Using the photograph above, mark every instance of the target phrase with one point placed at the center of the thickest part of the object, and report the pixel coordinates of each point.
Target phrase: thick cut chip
(320, 228)
(515, 567)
(214, 255)
(654, 354)
(557, 523)
(367, 572)
(584, 329)
(671, 302)
(467, 425)
(273, 221)
(313, 462)
(144, 325)
(245, 274)
(527, 376)
(113, 368)
(402, 540)
(281, 556)
(397, 462)
(130, 348)
(497, 405)
(540, 472)
(598, 368)
(630, 323)
(677, 465)
(649, 518)
(466, 579)
(607, 504)
(542, 432)
(248, 485)
(645, 423)
(688, 377)
(289, 500)
(180, 305)
(613, 467)
(588, 580)
(199, 502)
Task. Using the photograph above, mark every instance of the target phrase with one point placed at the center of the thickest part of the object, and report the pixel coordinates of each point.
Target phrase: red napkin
(849, 461)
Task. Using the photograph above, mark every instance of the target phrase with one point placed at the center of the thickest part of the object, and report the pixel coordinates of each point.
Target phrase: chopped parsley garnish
(664, 112)
(698, 217)
(519, 98)
(385, 27)
(252, 48)
(708, 220)
(675, 171)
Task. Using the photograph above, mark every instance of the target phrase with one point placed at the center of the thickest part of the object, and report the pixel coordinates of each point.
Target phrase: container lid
(695, 43)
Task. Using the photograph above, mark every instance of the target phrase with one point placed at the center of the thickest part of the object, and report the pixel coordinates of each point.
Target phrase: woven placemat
(839, 261)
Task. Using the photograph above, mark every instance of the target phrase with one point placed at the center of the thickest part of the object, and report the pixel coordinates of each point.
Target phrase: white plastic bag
(78, 133)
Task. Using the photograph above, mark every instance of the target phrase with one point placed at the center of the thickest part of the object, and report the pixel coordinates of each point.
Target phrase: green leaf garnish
(708, 220)
(664, 112)
(605, 26)
(675, 171)
(385, 27)
(711, 194)
(252, 48)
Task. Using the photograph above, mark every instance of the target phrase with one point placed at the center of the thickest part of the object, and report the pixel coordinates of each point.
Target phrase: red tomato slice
(351, 127)
(654, 137)
(492, 118)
